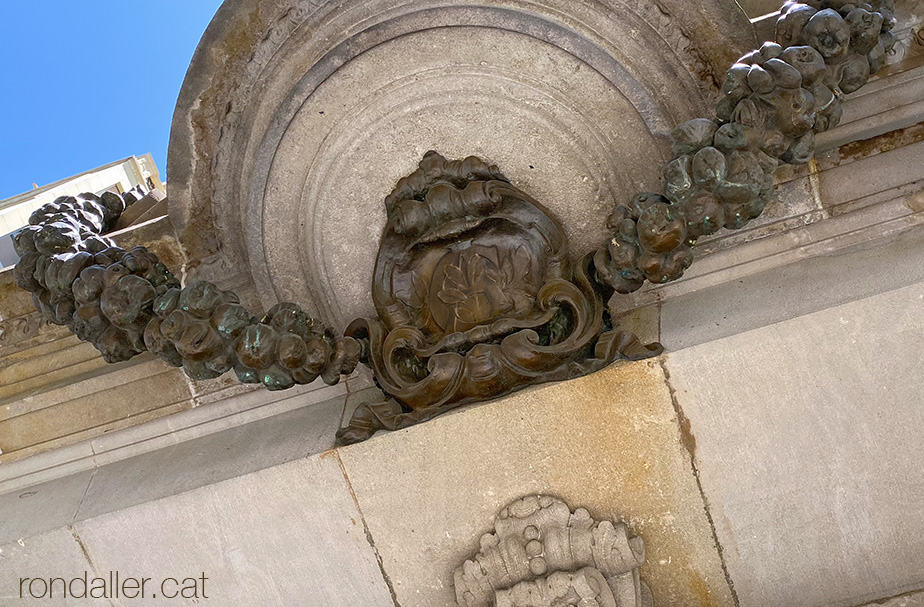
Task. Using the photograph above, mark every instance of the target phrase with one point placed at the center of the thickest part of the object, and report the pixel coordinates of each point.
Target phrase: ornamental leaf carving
(479, 289)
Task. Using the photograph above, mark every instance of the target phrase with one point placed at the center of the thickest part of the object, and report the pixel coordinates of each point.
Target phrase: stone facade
(769, 457)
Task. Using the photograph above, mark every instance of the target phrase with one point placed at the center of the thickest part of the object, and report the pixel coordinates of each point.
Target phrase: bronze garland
(475, 292)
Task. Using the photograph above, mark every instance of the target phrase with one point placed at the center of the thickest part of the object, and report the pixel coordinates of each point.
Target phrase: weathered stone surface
(609, 442)
(886, 104)
(103, 401)
(881, 171)
(808, 447)
(288, 535)
(45, 365)
(757, 8)
(780, 294)
(157, 236)
(53, 554)
(645, 322)
(14, 301)
(914, 599)
(212, 458)
(296, 119)
(134, 215)
(42, 507)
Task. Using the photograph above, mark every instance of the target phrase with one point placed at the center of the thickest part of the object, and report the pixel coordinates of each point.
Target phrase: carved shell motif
(544, 555)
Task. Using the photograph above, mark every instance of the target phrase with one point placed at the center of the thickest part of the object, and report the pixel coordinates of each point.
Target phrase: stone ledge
(789, 291)
(884, 105)
(237, 434)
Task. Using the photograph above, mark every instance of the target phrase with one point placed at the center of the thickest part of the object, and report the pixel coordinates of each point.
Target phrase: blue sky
(86, 82)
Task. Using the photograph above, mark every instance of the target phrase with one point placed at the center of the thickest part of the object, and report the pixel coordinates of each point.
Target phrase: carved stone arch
(296, 118)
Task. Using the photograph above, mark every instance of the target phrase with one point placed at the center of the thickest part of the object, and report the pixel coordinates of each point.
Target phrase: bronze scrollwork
(475, 292)
(476, 296)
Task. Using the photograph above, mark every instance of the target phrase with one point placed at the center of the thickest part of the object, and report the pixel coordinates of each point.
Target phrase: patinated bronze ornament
(475, 291)
(476, 296)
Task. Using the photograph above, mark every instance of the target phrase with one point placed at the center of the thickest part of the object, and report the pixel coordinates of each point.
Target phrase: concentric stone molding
(773, 102)
(276, 86)
(542, 554)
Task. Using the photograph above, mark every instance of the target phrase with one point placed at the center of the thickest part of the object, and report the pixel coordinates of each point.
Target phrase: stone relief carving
(542, 554)
(20, 328)
(474, 288)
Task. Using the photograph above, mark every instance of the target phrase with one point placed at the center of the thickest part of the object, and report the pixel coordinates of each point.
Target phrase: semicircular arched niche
(297, 118)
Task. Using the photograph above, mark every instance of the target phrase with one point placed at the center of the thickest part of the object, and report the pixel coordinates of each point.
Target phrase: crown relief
(542, 554)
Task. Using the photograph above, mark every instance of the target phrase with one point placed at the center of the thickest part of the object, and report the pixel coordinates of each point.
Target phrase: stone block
(808, 444)
(53, 554)
(212, 458)
(40, 508)
(609, 442)
(288, 535)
